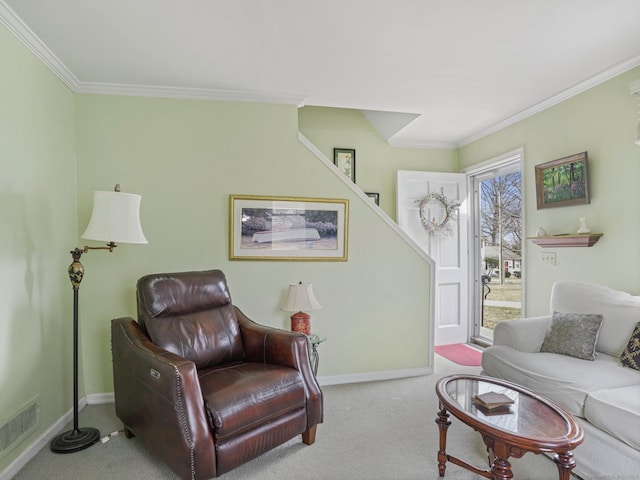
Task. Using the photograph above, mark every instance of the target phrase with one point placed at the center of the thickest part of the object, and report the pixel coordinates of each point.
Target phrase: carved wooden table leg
(501, 469)
(499, 453)
(443, 423)
(565, 463)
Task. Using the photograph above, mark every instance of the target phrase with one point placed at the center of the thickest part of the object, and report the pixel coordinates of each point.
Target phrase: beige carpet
(376, 430)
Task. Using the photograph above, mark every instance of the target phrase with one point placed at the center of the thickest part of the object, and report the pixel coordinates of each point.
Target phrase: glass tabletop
(528, 416)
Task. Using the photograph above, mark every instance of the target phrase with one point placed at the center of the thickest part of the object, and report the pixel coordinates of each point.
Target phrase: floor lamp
(115, 218)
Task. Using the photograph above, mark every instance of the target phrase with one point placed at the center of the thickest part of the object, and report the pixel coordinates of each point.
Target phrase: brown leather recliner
(204, 388)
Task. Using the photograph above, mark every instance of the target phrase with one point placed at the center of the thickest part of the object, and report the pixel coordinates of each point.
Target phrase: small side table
(314, 356)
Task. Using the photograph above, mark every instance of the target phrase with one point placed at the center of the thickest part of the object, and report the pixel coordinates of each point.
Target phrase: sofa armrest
(264, 344)
(523, 334)
(158, 396)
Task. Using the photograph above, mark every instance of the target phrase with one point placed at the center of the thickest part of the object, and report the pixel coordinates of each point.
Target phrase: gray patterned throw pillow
(573, 334)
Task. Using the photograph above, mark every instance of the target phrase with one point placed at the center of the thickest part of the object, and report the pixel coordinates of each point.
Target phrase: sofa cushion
(620, 311)
(617, 412)
(631, 355)
(573, 334)
(564, 379)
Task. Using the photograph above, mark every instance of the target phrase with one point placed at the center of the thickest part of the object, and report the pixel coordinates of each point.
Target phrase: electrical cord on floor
(106, 438)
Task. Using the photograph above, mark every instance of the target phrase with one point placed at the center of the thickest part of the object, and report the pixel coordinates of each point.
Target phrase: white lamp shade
(115, 218)
(300, 298)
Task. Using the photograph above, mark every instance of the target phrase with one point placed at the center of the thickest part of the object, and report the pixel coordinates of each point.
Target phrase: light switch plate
(548, 258)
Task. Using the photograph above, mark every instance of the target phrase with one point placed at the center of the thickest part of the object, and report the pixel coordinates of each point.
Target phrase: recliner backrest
(190, 314)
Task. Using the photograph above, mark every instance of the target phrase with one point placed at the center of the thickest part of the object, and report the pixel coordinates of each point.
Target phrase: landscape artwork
(287, 228)
(563, 182)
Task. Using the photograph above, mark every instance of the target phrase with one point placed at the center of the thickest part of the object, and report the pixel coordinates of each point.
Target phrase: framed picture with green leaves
(563, 182)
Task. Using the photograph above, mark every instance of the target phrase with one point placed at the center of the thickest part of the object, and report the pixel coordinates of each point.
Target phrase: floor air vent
(20, 425)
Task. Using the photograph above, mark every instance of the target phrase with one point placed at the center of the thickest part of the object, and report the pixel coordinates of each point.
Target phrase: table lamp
(300, 297)
(115, 218)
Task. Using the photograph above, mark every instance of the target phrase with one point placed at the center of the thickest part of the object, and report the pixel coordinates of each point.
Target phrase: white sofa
(603, 392)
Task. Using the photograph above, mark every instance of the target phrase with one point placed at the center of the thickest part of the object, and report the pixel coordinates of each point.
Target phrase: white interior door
(451, 322)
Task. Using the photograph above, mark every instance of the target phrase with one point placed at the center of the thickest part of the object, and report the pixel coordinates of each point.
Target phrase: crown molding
(428, 145)
(556, 99)
(23, 33)
(15, 25)
(188, 93)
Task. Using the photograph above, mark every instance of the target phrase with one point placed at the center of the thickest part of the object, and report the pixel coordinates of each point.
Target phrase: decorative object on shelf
(374, 196)
(115, 218)
(288, 228)
(345, 160)
(563, 182)
(300, 297)
(583, 226)
(541, 232)
(434, 225)
(566, 240)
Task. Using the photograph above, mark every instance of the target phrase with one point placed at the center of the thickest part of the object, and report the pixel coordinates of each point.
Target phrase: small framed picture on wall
(563, 182)
(345, 160)
(373, 196)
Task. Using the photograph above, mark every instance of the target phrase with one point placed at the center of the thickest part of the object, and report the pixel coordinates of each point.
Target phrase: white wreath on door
(432, 225)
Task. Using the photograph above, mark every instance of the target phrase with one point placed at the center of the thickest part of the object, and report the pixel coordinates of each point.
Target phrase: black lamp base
(75, 440)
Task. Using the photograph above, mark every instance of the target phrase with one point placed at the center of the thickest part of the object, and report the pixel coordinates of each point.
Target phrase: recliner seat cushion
(241, 396)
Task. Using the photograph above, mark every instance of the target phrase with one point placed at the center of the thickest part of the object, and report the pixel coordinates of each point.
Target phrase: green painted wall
(37, 231)
(185, 158)
(603, 121)
(376, 161)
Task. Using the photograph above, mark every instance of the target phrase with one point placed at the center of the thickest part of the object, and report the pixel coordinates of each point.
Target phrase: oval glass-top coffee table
(531, 423)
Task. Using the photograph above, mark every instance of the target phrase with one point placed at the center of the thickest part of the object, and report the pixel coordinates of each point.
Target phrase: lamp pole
(76, 439)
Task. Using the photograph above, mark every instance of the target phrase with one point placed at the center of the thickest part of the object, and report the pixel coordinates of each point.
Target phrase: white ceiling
(445, 72)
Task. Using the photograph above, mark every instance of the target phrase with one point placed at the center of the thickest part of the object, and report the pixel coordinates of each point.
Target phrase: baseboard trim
(375, 376)
(99, 398)
(41, 442)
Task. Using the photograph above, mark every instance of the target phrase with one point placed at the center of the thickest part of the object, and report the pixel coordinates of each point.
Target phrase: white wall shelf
(575, 240)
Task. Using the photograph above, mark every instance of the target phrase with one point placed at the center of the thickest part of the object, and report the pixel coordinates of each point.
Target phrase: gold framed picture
(288, 228)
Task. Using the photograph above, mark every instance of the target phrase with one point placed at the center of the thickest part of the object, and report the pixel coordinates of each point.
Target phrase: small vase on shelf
(583, 230)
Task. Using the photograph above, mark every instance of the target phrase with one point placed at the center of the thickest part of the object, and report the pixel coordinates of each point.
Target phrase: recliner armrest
(264, 344)
(157, 397)
(523, 334)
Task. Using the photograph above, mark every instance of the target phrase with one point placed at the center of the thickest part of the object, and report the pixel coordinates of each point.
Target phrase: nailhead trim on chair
(184, 424)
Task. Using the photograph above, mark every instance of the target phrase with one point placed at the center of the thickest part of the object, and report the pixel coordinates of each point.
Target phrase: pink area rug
(461, 354)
